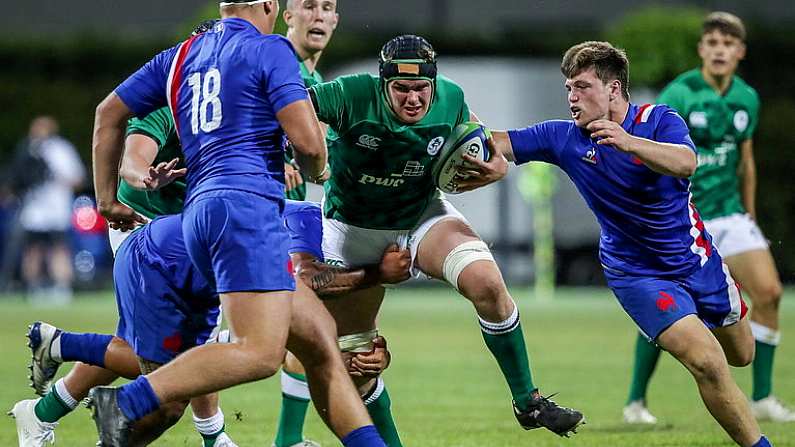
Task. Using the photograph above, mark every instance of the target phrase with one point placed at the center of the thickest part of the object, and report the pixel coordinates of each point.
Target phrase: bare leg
(32, 258)
(313, 339)
(737, 342)
(83, 377)
(205, 406)
(60, 266)
(756, 272)
(481, 282)
(260, 323)
(690, 342)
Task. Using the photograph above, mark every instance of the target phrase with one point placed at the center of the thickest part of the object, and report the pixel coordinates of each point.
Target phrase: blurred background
(58, 64)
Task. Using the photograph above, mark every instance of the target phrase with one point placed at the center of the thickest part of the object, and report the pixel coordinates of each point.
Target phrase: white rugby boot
(43, 366)
(304, 443)
(772, 409)
(31, 432)
(223, 440)
(637, 413)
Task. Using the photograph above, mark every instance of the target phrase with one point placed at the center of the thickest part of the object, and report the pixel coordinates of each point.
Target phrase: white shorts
(350, 246)
(117, 237)
(735, 234)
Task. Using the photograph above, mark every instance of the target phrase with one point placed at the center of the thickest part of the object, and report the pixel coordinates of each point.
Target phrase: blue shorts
(304, 224)
(238, 241)
(656, 303)
(155, 317)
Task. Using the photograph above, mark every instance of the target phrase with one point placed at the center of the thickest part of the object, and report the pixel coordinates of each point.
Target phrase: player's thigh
(440, 230)
(756, 271)
(737, 342)
(312, 326)
(356, 312)
(690, 342)
(259, 320)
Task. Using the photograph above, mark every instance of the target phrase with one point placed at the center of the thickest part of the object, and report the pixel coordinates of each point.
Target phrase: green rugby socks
(56, 404)
(379, 406)
(295, 402)
(646, 356)
(505, 340)
(766, 341)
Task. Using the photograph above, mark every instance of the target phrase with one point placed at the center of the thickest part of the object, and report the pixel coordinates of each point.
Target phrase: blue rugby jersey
(649, 225)
(224, 88)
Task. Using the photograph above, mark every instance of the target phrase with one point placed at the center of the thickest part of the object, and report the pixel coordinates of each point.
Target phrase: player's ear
(741, 51)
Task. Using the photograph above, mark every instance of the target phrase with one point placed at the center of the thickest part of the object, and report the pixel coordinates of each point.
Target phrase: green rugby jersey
(718, 125)
(158, 125)
(381, 168)
(310, 79)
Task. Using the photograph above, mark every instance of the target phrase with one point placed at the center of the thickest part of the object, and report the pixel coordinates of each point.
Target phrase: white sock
(55, 349)
(502, 327)
(379, 389)
(764, 334)
(293, 387)
(211, 425)
(63, 394)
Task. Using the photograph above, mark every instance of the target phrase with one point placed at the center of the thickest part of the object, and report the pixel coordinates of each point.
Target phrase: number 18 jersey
(224, 88)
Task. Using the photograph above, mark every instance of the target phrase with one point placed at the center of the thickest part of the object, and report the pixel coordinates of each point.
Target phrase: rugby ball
(467, 138)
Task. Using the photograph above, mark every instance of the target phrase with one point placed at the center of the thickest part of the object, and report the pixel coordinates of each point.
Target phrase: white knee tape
(460, 257)
(361, 342)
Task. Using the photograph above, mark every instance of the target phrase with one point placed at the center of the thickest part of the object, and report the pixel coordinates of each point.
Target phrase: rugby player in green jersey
(385, 133)
(722, 112)
(310, 25)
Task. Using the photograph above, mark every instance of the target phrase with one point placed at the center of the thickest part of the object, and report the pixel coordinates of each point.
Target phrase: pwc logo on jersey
(435, 145)
(590, 156)
(368, 142)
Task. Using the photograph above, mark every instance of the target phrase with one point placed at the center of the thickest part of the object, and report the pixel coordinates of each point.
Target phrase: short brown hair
(608, 61)
(725, 22)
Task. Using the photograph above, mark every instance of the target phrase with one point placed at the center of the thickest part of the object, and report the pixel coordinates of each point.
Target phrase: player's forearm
(107, 148)
(502, 142)
(139, 154)
(748, 189)
(670, 159)
(305, 134)
(329, 281)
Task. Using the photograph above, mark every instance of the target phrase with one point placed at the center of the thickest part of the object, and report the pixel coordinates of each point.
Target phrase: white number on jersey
(205, 96)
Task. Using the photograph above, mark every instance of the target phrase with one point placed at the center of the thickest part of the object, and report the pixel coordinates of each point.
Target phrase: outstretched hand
(479, 173)
(162, 175)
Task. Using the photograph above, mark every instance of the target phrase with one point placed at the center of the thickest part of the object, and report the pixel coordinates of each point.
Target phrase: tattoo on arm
(327, 280)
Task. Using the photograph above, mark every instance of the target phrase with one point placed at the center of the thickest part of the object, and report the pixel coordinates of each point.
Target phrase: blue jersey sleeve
(145, 90)
(282, 81)
(671, 128)
(534, 143)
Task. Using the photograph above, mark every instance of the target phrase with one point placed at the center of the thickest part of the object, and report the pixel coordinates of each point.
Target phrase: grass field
(445, 387)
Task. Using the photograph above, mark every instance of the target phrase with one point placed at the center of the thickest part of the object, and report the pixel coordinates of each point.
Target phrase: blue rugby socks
(86, 348)
(366, 436)
(762, 442)
(137, 399)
